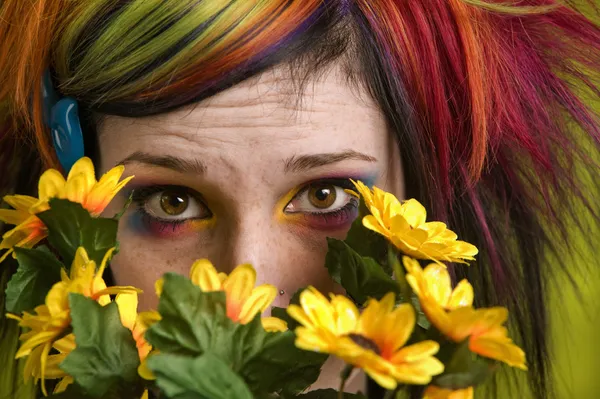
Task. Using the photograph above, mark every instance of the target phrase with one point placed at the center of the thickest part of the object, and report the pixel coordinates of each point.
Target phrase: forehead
(269, 114)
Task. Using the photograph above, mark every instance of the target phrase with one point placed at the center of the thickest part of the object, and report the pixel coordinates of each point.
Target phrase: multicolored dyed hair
(490, 102)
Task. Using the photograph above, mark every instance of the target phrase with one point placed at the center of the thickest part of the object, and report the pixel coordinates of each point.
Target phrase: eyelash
(157, 225)
(332, 220)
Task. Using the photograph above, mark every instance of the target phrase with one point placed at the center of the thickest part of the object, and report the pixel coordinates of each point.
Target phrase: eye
(171, 204)
(321, 198)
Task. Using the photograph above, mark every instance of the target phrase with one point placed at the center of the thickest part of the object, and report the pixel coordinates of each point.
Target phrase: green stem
(344, 375)
(400, 274)
(389, 394)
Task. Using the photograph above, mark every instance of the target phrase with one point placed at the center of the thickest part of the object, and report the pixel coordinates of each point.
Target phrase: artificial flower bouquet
(405, 326)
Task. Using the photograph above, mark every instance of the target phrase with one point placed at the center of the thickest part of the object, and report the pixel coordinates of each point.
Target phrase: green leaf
(195, 322)
(422, 320)
(203, 377)
(463, 367)
(128, 203)
(368, 243)
(106, 355)
(362, 277)
(70, 226)
(330, 394)
(282, 312)
(38, 271)
(281, 367)
(116, 392)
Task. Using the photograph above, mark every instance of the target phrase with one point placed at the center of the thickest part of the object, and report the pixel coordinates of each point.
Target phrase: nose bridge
(250, 238)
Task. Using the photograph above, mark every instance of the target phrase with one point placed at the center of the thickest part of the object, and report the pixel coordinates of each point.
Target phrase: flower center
(365, 343)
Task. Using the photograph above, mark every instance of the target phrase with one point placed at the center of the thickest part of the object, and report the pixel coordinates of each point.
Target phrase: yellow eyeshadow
(280, 214)
(202, 224)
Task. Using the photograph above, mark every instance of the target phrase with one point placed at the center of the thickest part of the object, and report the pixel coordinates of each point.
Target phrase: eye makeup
(290, 209)
(323, 220)
(144, 222)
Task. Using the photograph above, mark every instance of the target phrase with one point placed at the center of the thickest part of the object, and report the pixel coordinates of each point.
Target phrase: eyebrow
(305, 162)
(295, 164)
(167, 161)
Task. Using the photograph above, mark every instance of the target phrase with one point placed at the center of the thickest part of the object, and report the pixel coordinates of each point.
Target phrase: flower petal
(63, 384)
(239, 283)
(51, 185)
(400, 324)
(78, 188)
(414, 213)
(434, 392)
(461, 296)
(346, 314)
(43, 360)
(371, 223)
(158, 286)
(144, 371)
(415, 352)
(127, 303)
(149, 317)
(419, 372)
(438, 283)
(66, 344)
(459, 323)
(5, 254)
(84, 167)
(318, 309)
(258, 301)
(316, 341)
(205, 276)
(296, 313)
(384, 380)
(20, 202)
(508, 353)
(489, 317)
(104, 191)
(81, 263)
(273, 324)
(11, 216)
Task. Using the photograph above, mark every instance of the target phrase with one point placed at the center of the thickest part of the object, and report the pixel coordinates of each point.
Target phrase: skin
(243, 137)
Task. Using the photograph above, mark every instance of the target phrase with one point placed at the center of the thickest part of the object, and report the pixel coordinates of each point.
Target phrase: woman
(243, 122)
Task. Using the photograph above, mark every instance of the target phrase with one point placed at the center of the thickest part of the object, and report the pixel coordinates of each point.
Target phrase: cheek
(142, 260)
(290, 259)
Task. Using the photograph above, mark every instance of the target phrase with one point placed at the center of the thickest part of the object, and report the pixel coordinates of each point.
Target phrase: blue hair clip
(62, 117)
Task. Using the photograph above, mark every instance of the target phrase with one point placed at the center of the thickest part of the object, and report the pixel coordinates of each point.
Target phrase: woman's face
(253, 175)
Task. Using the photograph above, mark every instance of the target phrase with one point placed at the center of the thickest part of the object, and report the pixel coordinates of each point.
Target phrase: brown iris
(174, 202)
(322, 196)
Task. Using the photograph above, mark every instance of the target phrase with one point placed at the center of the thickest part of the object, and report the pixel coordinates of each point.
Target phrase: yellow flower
(433, 287)
(80, 186)
(373, 340)
(404, 224)
(451, 312)
(138, 324)
(52, 370)
(29, 229)
(484, 328)
(244, 301)
(50, 322)
(434, 392)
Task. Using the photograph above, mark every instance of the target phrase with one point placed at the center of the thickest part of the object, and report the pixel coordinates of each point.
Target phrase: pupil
(322, 196)
(173, 203)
